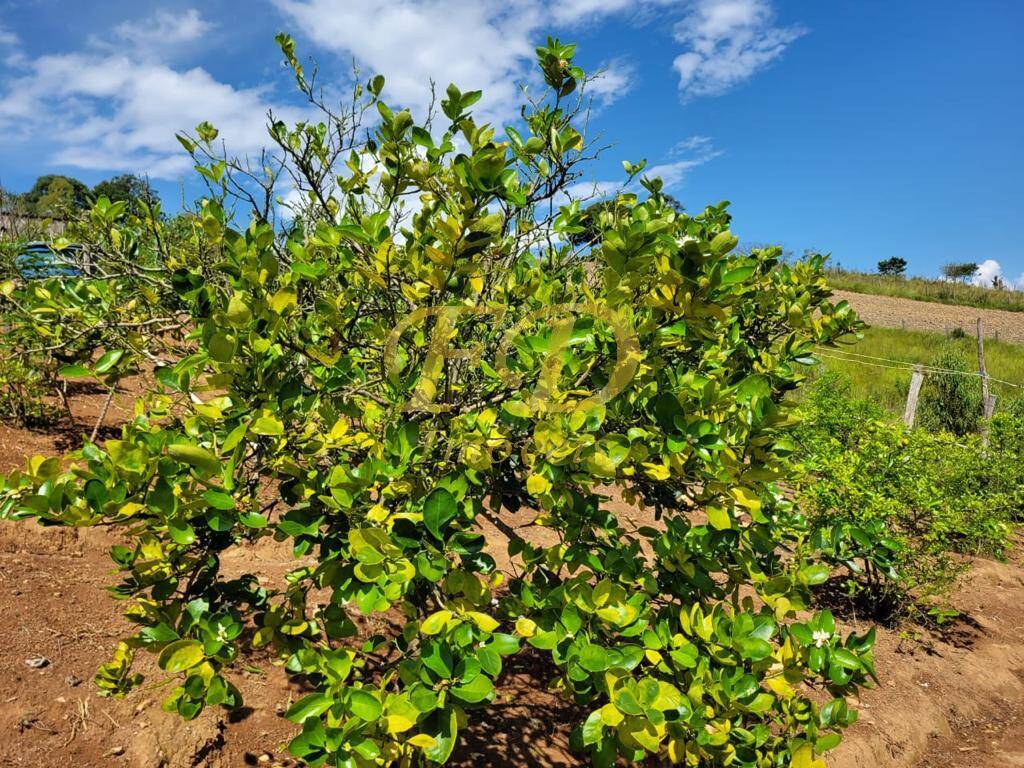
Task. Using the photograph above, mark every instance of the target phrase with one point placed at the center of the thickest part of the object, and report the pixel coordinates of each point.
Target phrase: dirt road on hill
(892, 312)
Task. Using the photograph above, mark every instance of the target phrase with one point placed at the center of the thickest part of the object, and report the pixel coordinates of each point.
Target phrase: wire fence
(903, 365)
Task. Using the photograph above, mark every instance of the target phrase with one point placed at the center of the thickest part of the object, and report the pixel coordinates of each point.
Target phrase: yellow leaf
(610, 715)
(656, 471)
(804, 758)
(780, 687)
(422, 740)
(526, 627)
(439, 257)
(435, 622)
(746, 498)
(517, 408)
(482, 620)
(283, 299)
(130, 508)
(398, 724)
(267, 425)
(718, 517)
(537, 485)
(676, 750)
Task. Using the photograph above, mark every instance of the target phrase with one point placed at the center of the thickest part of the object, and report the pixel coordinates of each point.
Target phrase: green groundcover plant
(427, 347)
(896, 507)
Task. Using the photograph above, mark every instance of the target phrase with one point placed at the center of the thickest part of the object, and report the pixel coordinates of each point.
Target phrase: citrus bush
(102, 307)
(424, 353)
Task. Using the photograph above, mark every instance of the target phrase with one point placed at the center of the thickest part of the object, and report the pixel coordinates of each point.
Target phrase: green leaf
(219, 499)
(181, 532)
(438, 510)
(313, 705)
(594, 658)
(846, 659)
(593, 728)
(238, 313)
(364, 704)
(253, 520)
(626, 701)
(180, 655)
(723, 243)
(443, 725)
(108, 360)
(74, 371)
(754, 649)
(815, 574)
(222, 347)
(195, 456)
(737, 275)
(478, 689)
(161, 633)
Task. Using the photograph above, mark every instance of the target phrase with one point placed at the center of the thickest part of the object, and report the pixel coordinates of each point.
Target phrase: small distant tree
(895, 267)
(127, 188)
(960, 271)
(55, 196)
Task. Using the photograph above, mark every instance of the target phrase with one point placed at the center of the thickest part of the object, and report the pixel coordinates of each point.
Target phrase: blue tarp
(38, 261)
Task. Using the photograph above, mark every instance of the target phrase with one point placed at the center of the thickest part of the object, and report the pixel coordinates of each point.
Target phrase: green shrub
(121, 310)
(951, 401)
(23, 392)
(324, 405)
(897, 507)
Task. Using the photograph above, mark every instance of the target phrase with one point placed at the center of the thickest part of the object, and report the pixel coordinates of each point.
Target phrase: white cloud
(587, 191)
(116, 103)
(684, 157)
(570, 11)
(163, 30)
(476, 44)
(612, 82)
(990, 271)
(7, 38)
(726, 42)
(489, 44)
(119, 111)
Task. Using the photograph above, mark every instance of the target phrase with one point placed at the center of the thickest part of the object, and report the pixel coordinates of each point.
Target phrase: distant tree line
(959, 271)
(54, 196)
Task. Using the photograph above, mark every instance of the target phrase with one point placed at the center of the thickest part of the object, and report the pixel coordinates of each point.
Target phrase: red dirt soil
(945, 702)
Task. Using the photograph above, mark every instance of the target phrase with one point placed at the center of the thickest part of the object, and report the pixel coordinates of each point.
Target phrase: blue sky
(866, 129)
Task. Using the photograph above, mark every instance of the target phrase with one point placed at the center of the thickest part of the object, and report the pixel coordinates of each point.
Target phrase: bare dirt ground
(893, 312)
(951, 701)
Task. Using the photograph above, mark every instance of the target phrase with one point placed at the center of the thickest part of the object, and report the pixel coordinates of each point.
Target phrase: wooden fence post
(910, 413)
(988, 402)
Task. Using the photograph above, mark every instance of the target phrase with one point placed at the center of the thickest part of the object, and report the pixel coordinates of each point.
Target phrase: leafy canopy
(419, 363)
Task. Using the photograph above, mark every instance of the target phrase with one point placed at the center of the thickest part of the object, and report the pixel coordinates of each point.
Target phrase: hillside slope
(892, 312)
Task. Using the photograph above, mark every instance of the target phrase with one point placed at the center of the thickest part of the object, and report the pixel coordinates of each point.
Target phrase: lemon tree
(429, 351)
